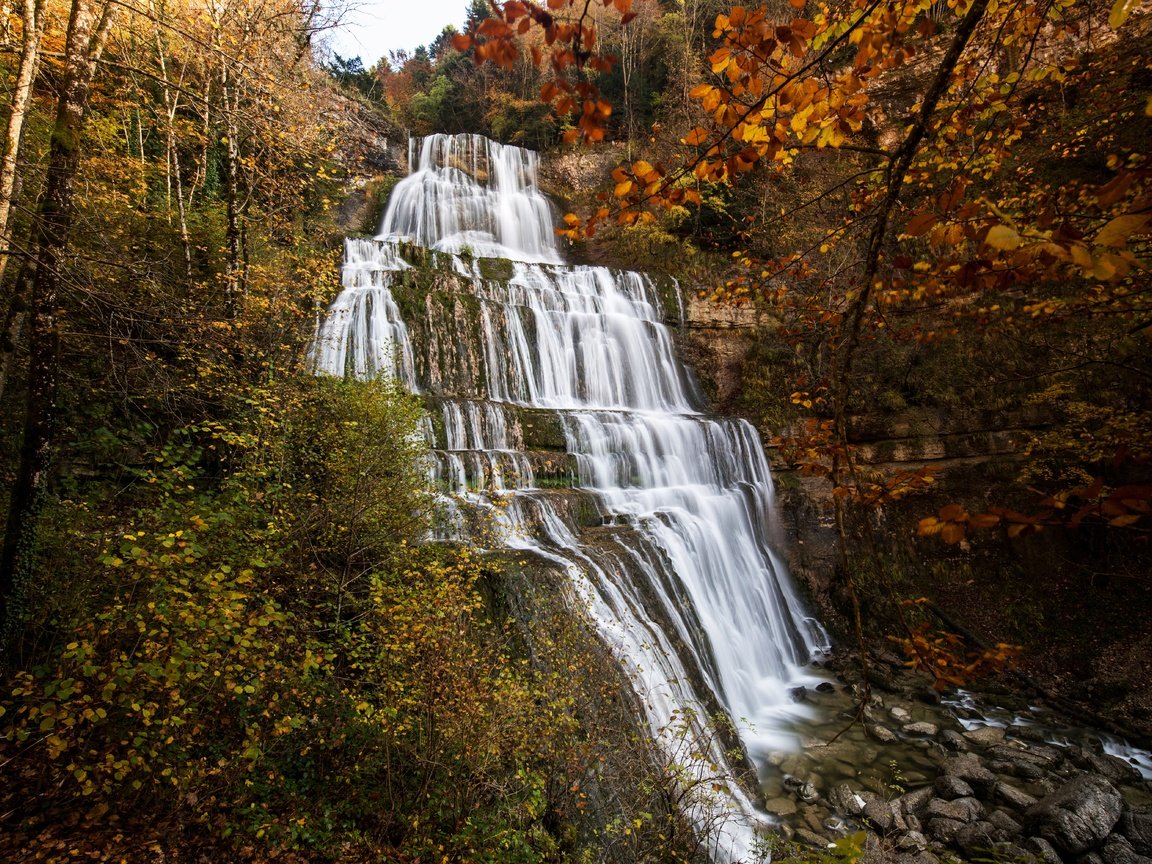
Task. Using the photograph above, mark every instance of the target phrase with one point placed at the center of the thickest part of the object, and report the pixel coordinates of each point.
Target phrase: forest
(224, 633)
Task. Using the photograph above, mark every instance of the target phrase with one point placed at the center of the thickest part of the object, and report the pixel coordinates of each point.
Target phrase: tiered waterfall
(684, 587)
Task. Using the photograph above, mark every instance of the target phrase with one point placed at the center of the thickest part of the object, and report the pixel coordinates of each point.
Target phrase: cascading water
(681, 580)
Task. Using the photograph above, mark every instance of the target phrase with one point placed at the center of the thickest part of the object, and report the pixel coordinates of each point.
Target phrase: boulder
(1136, 825)
(968, 768)
(913, 841)
(950, 787)
(976, 836)
(985, 736)
(1078, 816)
(913, 803)
(1117, 850)
(920, 730)
(845, 800)
(1018, 799)
(1042, 850)
(943, 830)
(807, 793)
(962, 809)
(1115, 769)
(953, 741)
(879, 815)
(1006, 825)
(882, 734)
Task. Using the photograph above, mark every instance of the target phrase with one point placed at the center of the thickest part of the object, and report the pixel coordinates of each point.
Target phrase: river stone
(1013, 797)
(950, 787)
(913, 803)
(913, 841)
(798, 694)
(1136, 825)
(1034, 756)
(880, 816)
(1005, 824)
(825, 687)
(807, 793)
(882, 734)
(846, 801)
(811, 838)
(1042, 850)
(976, 836)
(953, 741)
(1117, 850)
(943, 830)
(921, 729)
(985, 736)
(962, 809)
(968, 768)
(1078, 816)
(900, 715)
(781, 806)
(1115, 769)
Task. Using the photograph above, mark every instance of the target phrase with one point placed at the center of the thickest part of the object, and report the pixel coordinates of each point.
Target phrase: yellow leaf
(1002, 237)
(697, 136)
(1121, 9)
(1124, 521)
(1117, 231)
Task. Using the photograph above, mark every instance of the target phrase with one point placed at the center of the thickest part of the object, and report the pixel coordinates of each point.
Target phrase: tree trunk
(88, 27)
(16, 304)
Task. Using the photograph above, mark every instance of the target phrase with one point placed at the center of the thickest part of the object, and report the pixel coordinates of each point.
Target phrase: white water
(686, 590)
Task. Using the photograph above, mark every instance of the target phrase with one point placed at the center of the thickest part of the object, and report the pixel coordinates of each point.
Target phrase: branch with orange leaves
(1127, 506)
(570, 50)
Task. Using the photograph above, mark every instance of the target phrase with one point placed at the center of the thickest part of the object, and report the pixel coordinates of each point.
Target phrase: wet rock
(798, 694)
(943, 830)
(1116, 770)
(825, 687)
(1042, 850)
(921, 729)
(882, 734)
(1136, 825)
(1078, 816)
(1013, 797)
(1117, 850)
(834, 825)
(879, 815)
(1005, 824)
(811, 838)
(977, 836)
(844, 800)
(781, 806)
(900, 715)
(962, 809)
(985, 736)
(1023, 770)
(950, 787)
(913, 841)
(953, 741)
(913, 803)
(1035, 759)
(807, 793)
(968, 768)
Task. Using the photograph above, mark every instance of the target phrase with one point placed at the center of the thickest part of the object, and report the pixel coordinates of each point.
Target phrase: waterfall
(679, 577)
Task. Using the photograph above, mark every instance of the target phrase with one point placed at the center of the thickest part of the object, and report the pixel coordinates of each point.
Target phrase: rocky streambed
(934, 782)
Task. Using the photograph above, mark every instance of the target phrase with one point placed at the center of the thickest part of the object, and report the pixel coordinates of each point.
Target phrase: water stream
(679, 576)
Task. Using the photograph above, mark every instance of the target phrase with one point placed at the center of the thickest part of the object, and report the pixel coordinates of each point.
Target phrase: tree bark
(88, 27)
(15, 307)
